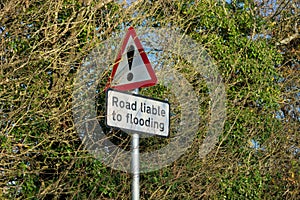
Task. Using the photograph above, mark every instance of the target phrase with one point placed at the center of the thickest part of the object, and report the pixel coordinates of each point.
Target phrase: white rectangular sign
(137, 113)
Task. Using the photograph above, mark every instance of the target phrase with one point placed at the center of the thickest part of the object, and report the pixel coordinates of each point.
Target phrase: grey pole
(135, 163)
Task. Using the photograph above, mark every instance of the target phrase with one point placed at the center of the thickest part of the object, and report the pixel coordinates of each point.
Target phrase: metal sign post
(133, 70)
(135, 163)
(137, 114)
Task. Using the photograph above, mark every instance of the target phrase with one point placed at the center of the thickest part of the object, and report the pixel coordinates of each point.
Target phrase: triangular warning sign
(132, 68)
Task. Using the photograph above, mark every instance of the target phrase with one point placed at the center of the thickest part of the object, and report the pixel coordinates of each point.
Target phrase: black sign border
(137, 95)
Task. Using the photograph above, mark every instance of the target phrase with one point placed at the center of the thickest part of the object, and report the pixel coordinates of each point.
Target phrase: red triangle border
(130, 86)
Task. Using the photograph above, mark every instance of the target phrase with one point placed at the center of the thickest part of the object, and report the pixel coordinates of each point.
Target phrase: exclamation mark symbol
(130, 54)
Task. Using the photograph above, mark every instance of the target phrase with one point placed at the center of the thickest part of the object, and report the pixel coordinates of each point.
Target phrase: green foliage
(249, 186)
(43, 44)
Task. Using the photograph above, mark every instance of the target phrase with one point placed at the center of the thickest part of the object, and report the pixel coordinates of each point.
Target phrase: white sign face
(131, 72)
(137, 113)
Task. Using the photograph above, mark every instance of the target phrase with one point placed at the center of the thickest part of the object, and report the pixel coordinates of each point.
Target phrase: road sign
(132, 68)
(137, 113)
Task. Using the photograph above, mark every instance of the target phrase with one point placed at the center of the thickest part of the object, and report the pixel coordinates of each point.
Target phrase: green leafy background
(43, 44)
